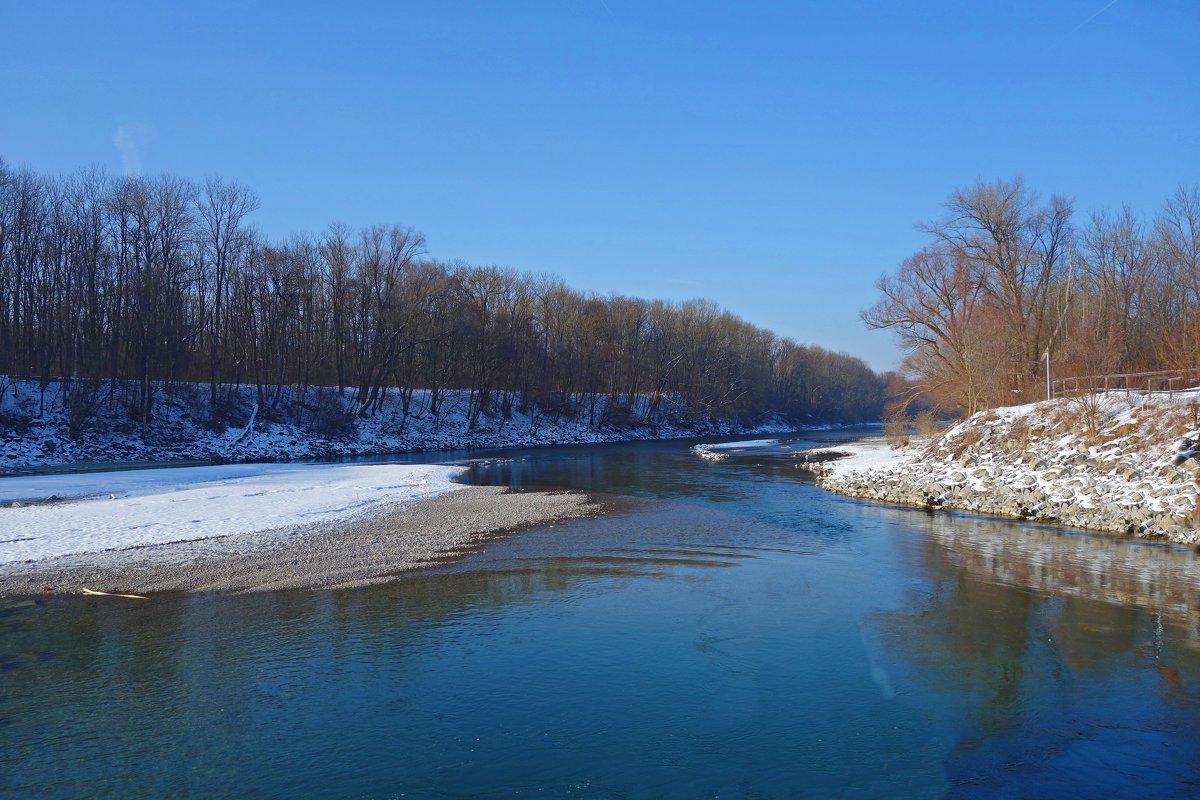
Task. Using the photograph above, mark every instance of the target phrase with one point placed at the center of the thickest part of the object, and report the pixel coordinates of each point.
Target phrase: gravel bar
(368, 549)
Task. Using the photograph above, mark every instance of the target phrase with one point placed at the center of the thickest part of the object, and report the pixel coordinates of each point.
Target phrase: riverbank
(42, 429)
(251, 528)
(1102, 463)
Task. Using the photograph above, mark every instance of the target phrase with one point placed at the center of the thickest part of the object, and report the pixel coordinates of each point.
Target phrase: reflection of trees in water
(1012, 611)
(1149, 576)
(643, 470)
(1043, 639)
(966, 637)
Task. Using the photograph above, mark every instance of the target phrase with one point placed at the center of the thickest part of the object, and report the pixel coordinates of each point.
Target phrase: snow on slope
(34, 428)
(162, 506)
(1102, 462)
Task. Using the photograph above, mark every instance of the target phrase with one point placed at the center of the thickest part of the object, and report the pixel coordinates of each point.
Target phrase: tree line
(1006, 277)
(135, 284)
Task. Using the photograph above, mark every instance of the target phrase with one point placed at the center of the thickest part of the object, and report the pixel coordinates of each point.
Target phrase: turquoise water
(731, 631)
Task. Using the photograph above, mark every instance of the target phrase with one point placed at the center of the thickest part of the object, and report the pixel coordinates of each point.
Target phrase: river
(729, 630)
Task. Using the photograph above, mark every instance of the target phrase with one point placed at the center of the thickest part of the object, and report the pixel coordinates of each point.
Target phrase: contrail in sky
(1111, 3)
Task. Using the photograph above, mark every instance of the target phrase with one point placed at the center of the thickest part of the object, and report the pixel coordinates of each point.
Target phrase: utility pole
(1047, 357)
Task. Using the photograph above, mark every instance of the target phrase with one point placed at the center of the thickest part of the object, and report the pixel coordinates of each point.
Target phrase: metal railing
(1168, 381)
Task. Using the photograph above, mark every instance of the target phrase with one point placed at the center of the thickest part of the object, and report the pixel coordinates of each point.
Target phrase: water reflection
(1023, 635)
(667, 470)
(1148, 575)
(734, 632)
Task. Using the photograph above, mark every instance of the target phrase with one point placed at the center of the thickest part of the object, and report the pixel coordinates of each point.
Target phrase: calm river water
(732, 632)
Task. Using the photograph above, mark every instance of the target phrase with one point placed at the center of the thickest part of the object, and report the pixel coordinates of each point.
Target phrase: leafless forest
(121, 288)
(1006, 276)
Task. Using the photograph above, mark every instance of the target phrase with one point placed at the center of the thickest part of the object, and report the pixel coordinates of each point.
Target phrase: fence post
(1168, 381)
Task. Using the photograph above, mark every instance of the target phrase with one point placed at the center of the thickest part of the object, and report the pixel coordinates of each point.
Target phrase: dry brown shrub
(1086, 415)
(1116, 432)
(1151, 427)
(1160, 423)
(1062, 416)
(1168, 434)
(961, 443)
(927, 424)
(895, 430)
(1176, 423)
(1019, 434)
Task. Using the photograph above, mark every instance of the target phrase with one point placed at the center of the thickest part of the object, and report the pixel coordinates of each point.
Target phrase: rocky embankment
(1104, 463)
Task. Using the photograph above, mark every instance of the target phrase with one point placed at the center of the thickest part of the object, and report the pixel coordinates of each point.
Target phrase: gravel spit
(369, 549)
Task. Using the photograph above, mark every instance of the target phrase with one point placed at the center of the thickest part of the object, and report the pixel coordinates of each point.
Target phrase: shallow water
(734, 632)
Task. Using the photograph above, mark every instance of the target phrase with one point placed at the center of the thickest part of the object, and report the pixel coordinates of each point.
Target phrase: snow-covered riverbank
(52, 516)
(37, 430)
(1101, 463)
(250, 527)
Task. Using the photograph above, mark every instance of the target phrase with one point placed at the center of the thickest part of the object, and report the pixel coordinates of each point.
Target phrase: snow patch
(62, 515)
(739, 445)
(1102, 462)
(35, 429)
(864, 455)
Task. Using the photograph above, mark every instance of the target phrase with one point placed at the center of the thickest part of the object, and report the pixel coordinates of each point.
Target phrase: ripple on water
(734, 632)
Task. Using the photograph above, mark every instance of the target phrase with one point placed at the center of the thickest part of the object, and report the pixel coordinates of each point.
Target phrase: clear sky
(773, 157)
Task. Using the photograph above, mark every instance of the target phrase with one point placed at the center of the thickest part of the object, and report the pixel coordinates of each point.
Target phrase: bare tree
(1018, 251)
(223, 208)
(935, 304)
(139, 283)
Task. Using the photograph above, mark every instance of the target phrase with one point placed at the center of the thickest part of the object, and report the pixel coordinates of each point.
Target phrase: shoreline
(484, 445)
(42, 442)
(1112, 472)
(373, 547)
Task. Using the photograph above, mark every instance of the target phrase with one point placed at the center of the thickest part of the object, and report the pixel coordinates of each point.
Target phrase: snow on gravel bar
(163, 506)
(862, 455)
(739, 444)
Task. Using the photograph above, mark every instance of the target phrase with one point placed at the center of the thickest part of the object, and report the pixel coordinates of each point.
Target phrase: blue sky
(773, 157)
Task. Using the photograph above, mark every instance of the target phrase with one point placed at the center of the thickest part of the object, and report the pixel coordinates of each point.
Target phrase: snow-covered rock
(1104, 463)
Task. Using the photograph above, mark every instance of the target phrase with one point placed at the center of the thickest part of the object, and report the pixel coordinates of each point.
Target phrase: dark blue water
(731, 631)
